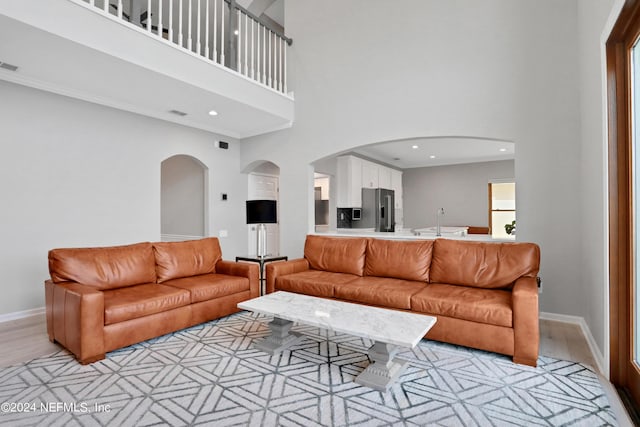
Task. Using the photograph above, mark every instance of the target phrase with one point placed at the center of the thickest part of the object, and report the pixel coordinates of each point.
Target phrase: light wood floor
(26, 339)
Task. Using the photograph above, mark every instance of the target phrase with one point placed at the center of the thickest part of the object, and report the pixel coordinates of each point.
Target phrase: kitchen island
(409, 235)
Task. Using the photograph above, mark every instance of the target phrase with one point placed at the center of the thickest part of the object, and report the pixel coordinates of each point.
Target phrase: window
(502, 209)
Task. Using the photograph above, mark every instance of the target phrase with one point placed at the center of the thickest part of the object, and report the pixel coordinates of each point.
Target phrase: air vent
(223, 145)
(178, 113)
(8, 66)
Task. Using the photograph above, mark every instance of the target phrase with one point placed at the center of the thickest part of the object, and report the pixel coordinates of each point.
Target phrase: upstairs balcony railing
(220, 31)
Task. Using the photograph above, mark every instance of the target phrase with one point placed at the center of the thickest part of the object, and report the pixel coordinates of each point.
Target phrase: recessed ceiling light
(236, 32)
(213, 113)
(503, 149)
(432, 156)
(415, 147)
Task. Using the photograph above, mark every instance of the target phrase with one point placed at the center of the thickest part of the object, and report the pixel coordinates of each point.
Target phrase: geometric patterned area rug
(210, 374)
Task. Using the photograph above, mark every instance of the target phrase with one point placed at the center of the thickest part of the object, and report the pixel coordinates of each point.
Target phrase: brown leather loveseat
(484, 295)
(102, 299)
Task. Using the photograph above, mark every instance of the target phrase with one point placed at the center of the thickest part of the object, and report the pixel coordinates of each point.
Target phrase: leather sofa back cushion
(407, 260)
(184, 259)
(336, 254)
(104, 268)
(483, 265)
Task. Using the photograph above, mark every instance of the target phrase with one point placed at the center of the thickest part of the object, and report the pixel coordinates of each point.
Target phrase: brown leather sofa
(102, 299)
(485, 295)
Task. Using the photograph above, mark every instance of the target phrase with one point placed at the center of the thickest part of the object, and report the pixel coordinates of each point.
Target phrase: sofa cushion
(380, 291)
(312, 282)
(210, 286)
(336, 254)
(104, 268)
(141, 300)
(183, 259)
(407, 260)
(491, 306)
(481, 264)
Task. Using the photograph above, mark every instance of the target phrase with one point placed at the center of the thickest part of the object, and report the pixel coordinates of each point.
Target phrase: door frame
(623, 373)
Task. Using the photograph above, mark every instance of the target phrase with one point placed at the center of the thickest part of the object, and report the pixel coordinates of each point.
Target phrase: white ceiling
(276, 12)
(447, 151)
(132, 71)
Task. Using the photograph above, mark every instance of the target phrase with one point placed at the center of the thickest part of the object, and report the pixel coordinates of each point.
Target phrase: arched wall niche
(183, 198)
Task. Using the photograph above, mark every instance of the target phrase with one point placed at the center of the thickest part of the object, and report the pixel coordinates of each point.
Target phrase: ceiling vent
(178, 113)
(8, 66)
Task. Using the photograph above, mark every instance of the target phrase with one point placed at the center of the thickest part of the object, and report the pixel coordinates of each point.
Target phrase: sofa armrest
(243, 269)
(275, 269)
(75, 319)
(526, 329)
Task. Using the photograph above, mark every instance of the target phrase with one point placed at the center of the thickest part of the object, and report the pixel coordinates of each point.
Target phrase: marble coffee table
(389, 329)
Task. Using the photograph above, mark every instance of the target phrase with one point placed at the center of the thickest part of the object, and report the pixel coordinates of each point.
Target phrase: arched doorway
(263, 184)
(182, 198)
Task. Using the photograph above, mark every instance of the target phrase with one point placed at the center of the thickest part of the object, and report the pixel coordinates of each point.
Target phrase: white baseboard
(178, 237)
(21, 314)
(577, 320)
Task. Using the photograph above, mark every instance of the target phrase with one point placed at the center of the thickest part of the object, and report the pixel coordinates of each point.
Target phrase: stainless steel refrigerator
(378, 209)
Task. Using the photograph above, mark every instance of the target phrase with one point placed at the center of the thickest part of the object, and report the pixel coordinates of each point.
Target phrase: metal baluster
(284, 68)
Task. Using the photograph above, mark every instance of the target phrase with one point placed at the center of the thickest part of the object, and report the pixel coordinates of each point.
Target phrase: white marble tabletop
(379, 324)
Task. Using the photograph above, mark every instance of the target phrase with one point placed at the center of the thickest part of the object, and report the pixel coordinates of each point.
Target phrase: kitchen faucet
(439, 213)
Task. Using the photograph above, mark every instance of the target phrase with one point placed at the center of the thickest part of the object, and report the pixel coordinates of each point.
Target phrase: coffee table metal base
(280, 339)
(379, 375)
(384, 369)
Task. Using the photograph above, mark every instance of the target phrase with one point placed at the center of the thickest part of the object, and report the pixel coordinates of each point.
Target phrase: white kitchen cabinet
(370, 174)
(384, 177)
(396, 186)
(349, 180)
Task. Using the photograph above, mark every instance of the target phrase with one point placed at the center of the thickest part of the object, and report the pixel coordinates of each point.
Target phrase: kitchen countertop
(408, 235)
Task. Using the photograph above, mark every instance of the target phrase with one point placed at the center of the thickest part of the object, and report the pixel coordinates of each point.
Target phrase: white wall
(460, 189)
(77, 174)
(365, 71)
(182, 196)
(592, 17)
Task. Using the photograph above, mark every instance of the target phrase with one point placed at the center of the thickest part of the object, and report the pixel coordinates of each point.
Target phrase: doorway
(182, 198)
(623, 90)
(321, 186)
(263, 186)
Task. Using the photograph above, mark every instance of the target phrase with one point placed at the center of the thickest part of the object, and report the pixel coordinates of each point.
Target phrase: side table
(262, 260)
